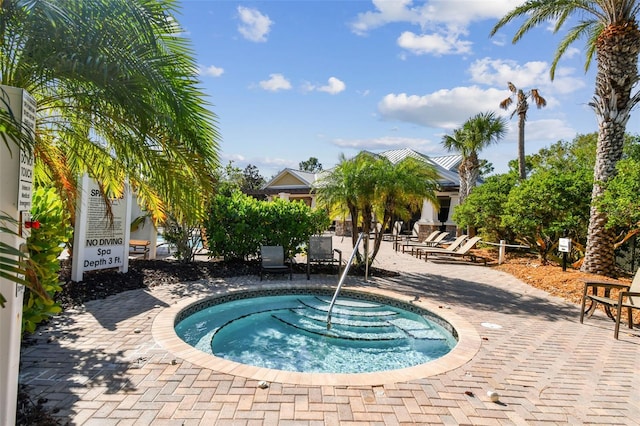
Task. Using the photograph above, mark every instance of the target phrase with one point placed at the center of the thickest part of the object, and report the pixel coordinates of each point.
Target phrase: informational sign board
(564, 245)
(105, 237)
(25, 179)
(101, 235)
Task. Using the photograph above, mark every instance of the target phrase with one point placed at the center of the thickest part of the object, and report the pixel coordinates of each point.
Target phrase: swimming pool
(164, 332)
(290, 332)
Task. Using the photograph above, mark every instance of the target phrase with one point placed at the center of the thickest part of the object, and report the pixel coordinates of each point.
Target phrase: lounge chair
(139, 247)
(414, 237)
(321, 252)
(453, 246)
(272, 261)
(628, 297)
(433, 240)
(461, 252)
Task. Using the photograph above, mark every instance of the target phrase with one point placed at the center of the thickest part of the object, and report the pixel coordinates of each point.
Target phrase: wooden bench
(139, 247)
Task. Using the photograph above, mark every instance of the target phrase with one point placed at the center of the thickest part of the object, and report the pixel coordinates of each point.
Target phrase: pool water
(290, 332)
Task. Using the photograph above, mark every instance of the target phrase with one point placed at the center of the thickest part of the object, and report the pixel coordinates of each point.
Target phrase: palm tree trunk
(462, 172)
(521, 161)
(617, 52)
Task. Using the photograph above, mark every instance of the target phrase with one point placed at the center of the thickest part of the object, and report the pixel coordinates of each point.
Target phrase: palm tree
(338, 193)
(113, 80)
(401, 189)
(475, 134)
(612, 34)
(522, 106)
(369, 185)
(116, 94)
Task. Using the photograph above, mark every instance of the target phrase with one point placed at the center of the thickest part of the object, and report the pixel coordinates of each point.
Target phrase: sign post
(564, 246)
(16, 171)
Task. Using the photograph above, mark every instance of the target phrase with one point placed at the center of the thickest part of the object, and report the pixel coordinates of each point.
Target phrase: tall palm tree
(117, 97)
(475, 134)
(612, 34)
(522, 106)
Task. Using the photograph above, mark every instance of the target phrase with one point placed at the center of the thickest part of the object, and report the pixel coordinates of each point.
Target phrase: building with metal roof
(296, 185)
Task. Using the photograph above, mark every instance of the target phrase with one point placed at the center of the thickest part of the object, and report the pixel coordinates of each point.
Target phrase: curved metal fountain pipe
(344, 275)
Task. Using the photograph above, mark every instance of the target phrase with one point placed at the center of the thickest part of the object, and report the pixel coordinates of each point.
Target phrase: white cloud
(436, 44)
(546, 130)
(211, 71)
(275, 83)
(535, 74)
(431, 13)
(572, 52)
(333, 87)
(254, 25)
(443, 23)
(424, 146)
(445, 109)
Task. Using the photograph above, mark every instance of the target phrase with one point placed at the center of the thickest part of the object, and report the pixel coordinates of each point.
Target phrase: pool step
(349, 310)
(309, 325)
(351, 321)
(417, 330)
(352, 303)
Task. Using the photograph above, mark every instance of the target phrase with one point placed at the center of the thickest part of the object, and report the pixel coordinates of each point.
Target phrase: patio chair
(395, 232)
(376, 229)
(460, 252)
(272, 261)
(628, 297)
(321, 252)
(433, 240)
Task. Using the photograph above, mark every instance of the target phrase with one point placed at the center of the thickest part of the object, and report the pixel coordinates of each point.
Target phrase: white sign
(564, 245)
(105, 236)
(25, 179)
(101, 234)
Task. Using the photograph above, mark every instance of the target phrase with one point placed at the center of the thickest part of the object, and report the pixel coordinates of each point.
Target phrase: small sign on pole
(564, 247)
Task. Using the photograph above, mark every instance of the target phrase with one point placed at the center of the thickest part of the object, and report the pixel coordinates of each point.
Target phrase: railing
(342, 278)
(502, 251)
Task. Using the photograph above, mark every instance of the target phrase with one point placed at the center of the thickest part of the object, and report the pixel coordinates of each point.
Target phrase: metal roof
(449, 162)
(448, 178)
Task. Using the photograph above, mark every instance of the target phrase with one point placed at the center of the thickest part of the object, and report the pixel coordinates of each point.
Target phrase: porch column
(429, 215)
(455, 202)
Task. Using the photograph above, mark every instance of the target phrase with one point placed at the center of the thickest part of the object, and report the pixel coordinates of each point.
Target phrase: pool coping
(468, 345)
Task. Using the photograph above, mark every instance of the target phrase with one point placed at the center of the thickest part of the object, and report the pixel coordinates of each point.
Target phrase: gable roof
(291, 179)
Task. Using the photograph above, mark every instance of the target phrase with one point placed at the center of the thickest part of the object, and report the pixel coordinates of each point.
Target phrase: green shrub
(239, 224)
(45, 246)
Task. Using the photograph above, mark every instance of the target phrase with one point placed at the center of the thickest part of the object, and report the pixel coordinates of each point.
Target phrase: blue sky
(289, 80)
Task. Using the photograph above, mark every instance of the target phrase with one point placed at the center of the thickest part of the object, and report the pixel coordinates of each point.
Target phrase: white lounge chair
(461, 252)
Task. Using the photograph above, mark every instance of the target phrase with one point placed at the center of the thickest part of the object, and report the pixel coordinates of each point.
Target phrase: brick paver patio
(100, 365)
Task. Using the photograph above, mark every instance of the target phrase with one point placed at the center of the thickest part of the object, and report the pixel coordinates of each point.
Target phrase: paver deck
(100, 365)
